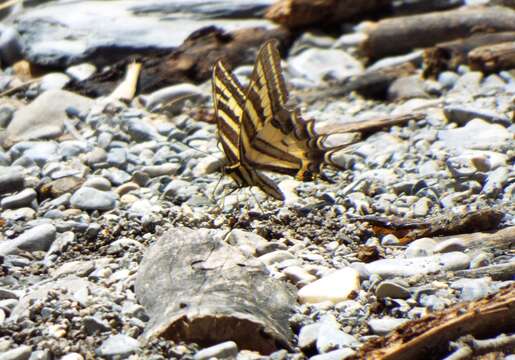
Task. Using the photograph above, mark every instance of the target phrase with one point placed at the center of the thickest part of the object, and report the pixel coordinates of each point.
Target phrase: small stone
(473, 289)
(388, 268)
(79, 268)
(340, 354)
(496, 181)
(391, 289)
(11, 181)
(390, 239)
(159, 170)
(54, 81)
(98, 182)
(81, 72)
(320, 64)
(330, 338)
(408, 87)
(87, 198)
(96, 156)
(480, 260)
(275, 257)
(21, 199)
(385, 325)
(422, 206)
(45, 116)
(308, 336)
(72, 356)
(449, 245)
(20, 353)
(420, 247)
(248, 242)
(93, 325)
(11, 45)
(172, 97)
(38, 238)
(225, 350)
(47, 355)
(140, 130)
(298, 275)
(476, 134)
(334, 287)
(448, 79)
(118, 345)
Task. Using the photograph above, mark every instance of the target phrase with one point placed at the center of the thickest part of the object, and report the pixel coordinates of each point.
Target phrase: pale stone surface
(335, 287)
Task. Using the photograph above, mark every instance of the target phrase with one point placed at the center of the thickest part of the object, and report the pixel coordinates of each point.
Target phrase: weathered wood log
(493, 58)
(300, 13)
(443, 225)
(429, 336)
(449, 55)
(190, 62)
(402, 34)
(197, 288)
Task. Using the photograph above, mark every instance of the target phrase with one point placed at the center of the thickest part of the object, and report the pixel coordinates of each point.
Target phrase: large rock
(197, 288)
(61, 33)
(44, 117)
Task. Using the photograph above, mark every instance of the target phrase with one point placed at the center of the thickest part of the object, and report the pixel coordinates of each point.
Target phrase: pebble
(11, 45)
(334, 287)
(225, 350)
(321, 64)
(298, 275)
(118, 345)
(54, 81)
(420, 247)
(172, 97)
(392, 289)
(476, 134)
(496, 181)
(44, 117)
(22, 352)
(473, 289)
(248, 242)
(463, 114)
(408, 87)
(72, 356)
(21, 199)
(330, 337)
(98, 182)
(385, 325)
(275, 257)
(38, 238)
(88, 198)
(81, 72)
(11, 181)
(450, 245)
(340, 354)
(388, 268)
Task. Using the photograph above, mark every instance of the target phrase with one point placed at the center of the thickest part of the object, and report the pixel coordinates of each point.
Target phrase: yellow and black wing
(273, 136)
(228, 100)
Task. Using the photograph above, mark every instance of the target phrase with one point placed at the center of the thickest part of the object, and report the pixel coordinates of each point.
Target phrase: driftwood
(300, 13)
(197, 288)
(449, 55)
(190, 62)
(429, 337)
(493, 58)
(402, 34)
(407, 231)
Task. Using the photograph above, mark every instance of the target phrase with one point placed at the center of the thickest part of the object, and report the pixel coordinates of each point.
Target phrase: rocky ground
(87, 186)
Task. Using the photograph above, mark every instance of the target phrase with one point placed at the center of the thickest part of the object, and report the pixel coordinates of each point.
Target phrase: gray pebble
(6, 115)
(38, 238)
(473, 289)
(496, 181)
(392, 289)
(340, 354)
(449, 245)
(140, 131)
(94, 325)
(54, 81)
(330, 338)
(11, 181)
(390, 239)
(420, 247)
(118, 345)
(22, 352)
(87, 198)
(81, 72)
(385, 325)
(117, 157)
(448, 79)
(480, 260)
(72, 356)
(160, 170)
(11, 45)
(225, 350)
(308, 336)
(22, 199)
(388, 268)
(408, 87)
(98, 182)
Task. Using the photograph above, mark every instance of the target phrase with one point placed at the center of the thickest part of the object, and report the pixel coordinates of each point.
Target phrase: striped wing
(274, 137)
(228, 100)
